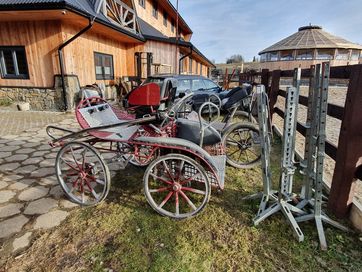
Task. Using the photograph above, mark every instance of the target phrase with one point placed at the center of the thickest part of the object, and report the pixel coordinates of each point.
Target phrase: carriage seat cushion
(190, 130)
(235, 99)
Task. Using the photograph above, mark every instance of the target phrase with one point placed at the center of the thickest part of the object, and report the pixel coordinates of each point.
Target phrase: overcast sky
(226, 27)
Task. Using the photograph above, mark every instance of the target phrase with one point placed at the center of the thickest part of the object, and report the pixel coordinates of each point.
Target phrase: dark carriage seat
(190, 130)
(235, 99)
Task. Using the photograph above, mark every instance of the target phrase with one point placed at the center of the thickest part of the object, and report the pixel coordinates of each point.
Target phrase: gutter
(183, 57)
(61, 59)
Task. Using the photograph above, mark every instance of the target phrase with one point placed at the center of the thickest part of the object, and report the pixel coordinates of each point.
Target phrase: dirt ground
(337, 96)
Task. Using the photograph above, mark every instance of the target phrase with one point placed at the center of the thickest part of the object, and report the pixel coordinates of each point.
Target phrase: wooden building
(109, 40)
(309, 46)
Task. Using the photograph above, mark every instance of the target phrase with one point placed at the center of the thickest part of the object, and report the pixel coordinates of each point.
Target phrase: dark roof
(149, 31)
(85, 8)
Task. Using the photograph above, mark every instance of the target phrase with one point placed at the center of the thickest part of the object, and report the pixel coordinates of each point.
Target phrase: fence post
(274, 90)
(265, 79)
(349, 148)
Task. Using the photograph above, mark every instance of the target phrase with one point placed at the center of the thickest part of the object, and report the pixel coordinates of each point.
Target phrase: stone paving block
(47, 163)
(42, 172)
(12, 225)
(16, 143)
(40, 153)
(6, 195)
(9, 148)
(21, 184)
(50, 219)
(9, 166)
(56, 192)
(25, 151)
(3, 184)
(22, 242)
(10, 209)
(16, 158)
(51, 180)
(30, 144)
(26, 169)
(33, 193)
(4, 154)
(44, 147)
(33, 160)
(66, 204)
(12, 178)
(51, 155)
(41, 206)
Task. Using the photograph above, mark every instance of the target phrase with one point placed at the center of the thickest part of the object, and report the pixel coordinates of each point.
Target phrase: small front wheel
(82, 173)
(176, 186)
(242, 145)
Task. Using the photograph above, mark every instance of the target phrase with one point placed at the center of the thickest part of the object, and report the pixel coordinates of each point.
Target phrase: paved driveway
(30, 199)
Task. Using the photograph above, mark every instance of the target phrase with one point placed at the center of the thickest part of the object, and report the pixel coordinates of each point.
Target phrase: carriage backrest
(99, 115)
(145, 95)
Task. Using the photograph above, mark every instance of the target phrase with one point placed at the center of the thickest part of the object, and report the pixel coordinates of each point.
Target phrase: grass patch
(125, 234)
(5, 102)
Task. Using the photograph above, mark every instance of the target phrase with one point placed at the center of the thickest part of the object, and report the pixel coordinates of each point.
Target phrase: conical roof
(309, 37)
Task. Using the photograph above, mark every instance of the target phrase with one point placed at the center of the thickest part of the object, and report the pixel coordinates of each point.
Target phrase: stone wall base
(39, 99)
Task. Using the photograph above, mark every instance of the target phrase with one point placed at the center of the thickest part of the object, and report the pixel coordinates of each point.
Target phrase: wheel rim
(82, 173)
(176, 186)
(240, 147)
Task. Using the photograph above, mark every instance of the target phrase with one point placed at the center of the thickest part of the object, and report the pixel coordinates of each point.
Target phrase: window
(304, 55)
(325, 54)
(173, 26)
(13, 64)
(142, 3)
(355, 54)
(286, 55)
(165, 18)
(155, 9)
(210, 85)
(103, 66)
(198, 84)
(342, 54)
(273, 56)
(190, 66)
(183, 85)
(263, 57)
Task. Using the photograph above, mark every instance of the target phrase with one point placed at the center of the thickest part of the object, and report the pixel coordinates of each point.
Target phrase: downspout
(183, 57)
(61, 59)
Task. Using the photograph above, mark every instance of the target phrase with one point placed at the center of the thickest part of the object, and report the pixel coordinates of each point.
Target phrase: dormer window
(155, 9)
(142, 3)
(172, 26)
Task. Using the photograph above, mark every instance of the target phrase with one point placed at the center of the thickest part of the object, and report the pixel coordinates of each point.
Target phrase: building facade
(309, 46)
(46, 42)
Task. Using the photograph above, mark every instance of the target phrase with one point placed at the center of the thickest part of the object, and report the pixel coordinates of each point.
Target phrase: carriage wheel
(82, 173)
(242, 145)
(176, 186)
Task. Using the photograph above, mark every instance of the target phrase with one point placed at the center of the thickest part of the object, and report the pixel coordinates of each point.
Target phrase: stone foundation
(39, 99)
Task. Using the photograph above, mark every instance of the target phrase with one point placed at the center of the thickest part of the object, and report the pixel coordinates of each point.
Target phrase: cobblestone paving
(30, 198)
(14, 122)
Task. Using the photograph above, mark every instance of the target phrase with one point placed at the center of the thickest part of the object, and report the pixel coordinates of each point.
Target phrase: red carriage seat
(145, 95)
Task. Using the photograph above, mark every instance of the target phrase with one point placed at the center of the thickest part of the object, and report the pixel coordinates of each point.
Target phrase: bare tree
(235, 59)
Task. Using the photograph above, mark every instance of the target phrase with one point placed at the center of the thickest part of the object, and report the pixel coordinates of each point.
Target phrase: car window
(183, 85)
(158, 81)
(210, 84)
(198, 84)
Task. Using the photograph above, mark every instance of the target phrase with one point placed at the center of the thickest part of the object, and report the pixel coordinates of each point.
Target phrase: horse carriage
(184, 155)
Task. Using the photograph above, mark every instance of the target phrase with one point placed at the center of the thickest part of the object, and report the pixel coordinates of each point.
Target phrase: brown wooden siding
(163, 53)
(41, 40)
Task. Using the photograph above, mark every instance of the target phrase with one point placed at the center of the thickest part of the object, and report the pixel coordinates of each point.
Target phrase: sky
(226, 27)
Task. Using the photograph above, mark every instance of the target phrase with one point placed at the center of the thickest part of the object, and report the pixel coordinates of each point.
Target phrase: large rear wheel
(176, 186)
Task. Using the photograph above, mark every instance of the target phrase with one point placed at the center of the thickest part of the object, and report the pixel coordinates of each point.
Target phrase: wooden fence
(348, 153)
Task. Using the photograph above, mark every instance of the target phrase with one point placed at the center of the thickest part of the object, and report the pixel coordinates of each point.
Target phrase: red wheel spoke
(196, 191)
(188, 200)
(165, 200)
(168, 171)
(71, 166)
(159, 190)
(71, 149)
(96, 196)
(161, 179)
(189, 179)
(177, 203)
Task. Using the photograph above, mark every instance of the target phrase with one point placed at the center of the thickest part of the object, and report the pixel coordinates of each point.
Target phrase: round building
(310, 45)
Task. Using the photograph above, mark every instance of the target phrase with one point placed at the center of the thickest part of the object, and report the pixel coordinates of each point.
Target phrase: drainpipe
(183, 57)
(61, 59)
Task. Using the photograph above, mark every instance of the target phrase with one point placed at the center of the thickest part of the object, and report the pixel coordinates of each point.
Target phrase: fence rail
(348, 153)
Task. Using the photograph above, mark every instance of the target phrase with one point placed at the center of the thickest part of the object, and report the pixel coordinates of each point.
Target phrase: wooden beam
(274, 91)
(349, 152)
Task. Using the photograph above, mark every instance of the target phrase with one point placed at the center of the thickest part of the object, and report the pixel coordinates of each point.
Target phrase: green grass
(125, 234)
(5, 102)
